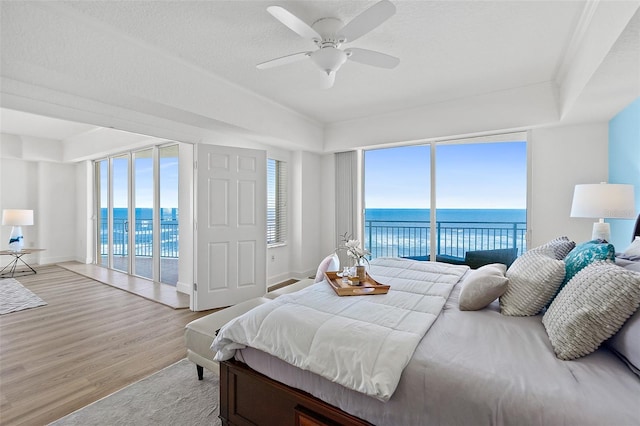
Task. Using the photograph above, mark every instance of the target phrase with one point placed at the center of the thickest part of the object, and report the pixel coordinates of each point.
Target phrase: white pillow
(534, 278)
(482, 286)
(591, 308)
(329, 263)
(634, 248)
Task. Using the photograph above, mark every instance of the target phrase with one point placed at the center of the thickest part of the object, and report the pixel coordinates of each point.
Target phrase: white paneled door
(231, 245)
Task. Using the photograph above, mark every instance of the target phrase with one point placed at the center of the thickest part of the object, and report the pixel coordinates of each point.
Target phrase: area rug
(15, 297)
(172, 396)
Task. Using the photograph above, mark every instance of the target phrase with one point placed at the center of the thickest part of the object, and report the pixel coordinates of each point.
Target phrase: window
(137, 207)
(276, 202)
(476, 188)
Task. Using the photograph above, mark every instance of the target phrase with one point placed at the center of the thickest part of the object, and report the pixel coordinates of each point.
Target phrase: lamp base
(601, 231)
(16, 240)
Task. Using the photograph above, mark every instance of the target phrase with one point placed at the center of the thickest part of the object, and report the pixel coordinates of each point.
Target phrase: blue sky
(483, 175)
(144, 182)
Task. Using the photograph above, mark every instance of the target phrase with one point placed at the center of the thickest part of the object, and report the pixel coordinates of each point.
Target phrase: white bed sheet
(480, 367)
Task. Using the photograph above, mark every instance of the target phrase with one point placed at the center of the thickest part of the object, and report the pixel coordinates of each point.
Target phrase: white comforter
(360, 342)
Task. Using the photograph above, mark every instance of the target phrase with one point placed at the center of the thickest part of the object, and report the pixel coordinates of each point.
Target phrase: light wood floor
(89, 341)
(161, 293)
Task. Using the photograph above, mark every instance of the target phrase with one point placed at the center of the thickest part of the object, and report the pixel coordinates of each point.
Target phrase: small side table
(9, 271)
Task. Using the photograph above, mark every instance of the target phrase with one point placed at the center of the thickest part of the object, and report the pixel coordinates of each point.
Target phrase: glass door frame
(155, 228)
(131, 210)
(129, 219)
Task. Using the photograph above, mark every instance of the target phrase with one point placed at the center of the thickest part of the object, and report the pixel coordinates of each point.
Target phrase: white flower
(353, 248)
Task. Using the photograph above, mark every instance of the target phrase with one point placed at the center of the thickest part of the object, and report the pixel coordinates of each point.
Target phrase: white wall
(562, 157)
(513, 109)
(299, 258)
(18, 183)
(50, 190)
(85, 228)
(308, 208)
(57, 207)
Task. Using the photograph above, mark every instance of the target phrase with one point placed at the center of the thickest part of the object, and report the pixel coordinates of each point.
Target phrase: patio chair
(477, 258)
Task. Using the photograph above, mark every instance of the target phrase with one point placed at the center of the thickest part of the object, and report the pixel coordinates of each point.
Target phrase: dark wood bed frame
(250, 398)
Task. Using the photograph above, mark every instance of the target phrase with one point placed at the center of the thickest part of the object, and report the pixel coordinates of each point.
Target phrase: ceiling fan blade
(283, 60)
(294, 23)
(371, 57)
(328, 79)
(367, 20)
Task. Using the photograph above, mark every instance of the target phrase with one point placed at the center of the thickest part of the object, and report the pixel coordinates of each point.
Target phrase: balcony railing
(143, 237)
(413, 238)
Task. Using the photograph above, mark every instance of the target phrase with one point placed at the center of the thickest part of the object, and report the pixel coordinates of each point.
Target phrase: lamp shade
(15, 217)
(603, 200)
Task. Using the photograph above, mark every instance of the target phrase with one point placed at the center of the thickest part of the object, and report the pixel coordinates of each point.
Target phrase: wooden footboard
(250, 398)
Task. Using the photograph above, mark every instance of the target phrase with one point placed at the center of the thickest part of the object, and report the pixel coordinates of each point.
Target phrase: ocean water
(407, 233)
(169, 241)
(448, 215)
(143, 213)
(388, 232)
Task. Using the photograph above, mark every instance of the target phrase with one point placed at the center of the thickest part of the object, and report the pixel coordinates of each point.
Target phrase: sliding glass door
(101, 169)
(481, 198)
(168, 191)
(120, 212)
(397, 197)
(137, 207)
(443, 199)
(143, 213)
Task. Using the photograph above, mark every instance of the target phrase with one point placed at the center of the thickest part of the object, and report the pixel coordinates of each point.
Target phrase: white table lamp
(17, 219)
(603, 200)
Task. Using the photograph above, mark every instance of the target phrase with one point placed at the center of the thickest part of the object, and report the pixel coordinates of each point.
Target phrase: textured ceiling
(447, 49)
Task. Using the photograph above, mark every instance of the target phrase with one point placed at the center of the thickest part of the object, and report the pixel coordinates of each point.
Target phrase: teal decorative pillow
(585, 254)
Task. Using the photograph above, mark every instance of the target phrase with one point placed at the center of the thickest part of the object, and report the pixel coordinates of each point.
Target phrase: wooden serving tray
(367, 287)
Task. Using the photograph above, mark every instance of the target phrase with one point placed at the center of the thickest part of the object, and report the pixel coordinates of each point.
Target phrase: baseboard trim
(54, 260)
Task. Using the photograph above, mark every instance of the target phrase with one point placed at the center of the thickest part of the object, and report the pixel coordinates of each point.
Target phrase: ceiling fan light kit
(329, 59)
(329, 34)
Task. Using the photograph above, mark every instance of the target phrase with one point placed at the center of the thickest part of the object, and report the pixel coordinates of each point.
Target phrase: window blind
(276, 202)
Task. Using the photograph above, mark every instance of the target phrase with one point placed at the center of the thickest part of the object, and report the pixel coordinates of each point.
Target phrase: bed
(470, 367)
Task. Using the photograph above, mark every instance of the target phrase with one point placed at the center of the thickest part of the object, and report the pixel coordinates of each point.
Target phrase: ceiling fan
(329, 34)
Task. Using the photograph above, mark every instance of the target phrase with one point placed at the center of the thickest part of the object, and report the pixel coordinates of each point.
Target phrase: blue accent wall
(624, 165)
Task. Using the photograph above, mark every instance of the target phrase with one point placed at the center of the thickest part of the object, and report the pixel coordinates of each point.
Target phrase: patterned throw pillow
(533, 279)
(586, 253)
(561, 247)
(591, 308)
(583, 255)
